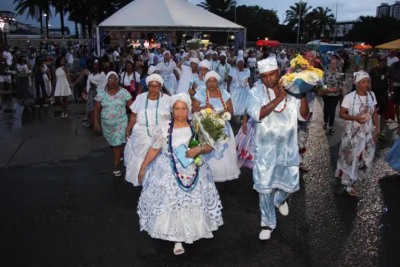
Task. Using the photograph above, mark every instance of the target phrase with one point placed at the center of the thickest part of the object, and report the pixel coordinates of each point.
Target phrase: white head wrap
(212, 74)
(166, 52)
(214, 52)
(151, 70)
(205, 64)
(239, 59)
(184, 97)
(266, 65)
(208, 52)
(111, 73)
(154, 78)
(194, 60)
(223, 53)
(359, 75)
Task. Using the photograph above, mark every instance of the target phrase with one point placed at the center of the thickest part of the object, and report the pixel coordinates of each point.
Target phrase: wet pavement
(61, 206)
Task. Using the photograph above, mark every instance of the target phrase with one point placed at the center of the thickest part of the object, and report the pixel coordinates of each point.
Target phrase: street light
(298, 24)
(334, 37)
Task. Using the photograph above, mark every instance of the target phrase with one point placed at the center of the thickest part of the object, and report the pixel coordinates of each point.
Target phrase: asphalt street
(61, 206)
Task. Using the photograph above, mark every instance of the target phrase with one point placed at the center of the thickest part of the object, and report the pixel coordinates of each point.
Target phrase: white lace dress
(168, 212)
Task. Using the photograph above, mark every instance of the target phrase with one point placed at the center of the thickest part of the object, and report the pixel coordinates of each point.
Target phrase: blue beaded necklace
(180, 177)
(145, 112)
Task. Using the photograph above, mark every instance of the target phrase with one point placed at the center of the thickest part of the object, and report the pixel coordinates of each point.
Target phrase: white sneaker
(265, 234)
(284, 209)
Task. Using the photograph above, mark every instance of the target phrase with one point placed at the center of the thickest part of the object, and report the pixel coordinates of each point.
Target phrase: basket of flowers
(193, 44)
(301, 77)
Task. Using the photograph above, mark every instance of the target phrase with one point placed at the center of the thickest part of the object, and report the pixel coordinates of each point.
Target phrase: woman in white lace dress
(177, 204)
(149, 111)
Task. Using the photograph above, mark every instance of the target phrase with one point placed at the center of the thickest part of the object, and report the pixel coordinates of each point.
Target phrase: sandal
(350, 190)
(178, 249)
(117, 173)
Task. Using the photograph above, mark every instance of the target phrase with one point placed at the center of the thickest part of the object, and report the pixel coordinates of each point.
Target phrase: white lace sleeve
(158, 139)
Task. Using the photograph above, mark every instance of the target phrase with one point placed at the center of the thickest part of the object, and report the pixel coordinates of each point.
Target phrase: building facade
(395, 10)
(386, 10)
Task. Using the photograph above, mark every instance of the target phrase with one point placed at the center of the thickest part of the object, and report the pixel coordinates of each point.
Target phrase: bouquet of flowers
(193, 44)
(209, 128)
(301, 77)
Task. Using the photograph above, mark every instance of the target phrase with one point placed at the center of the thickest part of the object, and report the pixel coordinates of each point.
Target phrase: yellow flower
(209, 111)
(299, 62)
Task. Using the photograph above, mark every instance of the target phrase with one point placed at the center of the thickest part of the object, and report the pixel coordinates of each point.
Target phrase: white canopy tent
(167, 16)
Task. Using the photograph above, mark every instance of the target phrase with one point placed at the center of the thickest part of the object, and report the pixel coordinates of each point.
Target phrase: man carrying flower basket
(276, 156)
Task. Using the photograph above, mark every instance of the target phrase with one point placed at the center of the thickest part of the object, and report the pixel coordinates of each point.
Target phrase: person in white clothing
(116, 59)
(70, 59)
(61, 85)
(96, 81)
(149, 111)
(223, 163)
(166, 69)
(130, 79)
(223, 69)
(178, 203)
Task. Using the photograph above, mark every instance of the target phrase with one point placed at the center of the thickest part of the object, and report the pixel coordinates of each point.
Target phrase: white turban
(154, 78)
(223, 53)
(194, 60)
(184, 97)
(205, 64)
(211, 74)
(359, 75)
(166, 52)
(267, 65)
(111, 73)
(151, 70)
(214, 52)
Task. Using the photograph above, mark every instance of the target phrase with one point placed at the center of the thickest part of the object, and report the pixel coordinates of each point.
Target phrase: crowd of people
(143, 101)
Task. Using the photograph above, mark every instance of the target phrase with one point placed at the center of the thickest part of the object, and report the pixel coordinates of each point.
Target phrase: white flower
(203, 112)
(221, 121)
(226, 116)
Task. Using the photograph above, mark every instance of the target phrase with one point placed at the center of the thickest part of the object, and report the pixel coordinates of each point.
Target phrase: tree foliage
(374, 30)
(219, 7)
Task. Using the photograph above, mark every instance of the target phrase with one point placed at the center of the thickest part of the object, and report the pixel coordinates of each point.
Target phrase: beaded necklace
(179, 177)
(145, 112)
(363, 109)
(220, 99)
(284, 105)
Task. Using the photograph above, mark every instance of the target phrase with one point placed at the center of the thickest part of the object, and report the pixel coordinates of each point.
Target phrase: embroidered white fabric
(166, 211)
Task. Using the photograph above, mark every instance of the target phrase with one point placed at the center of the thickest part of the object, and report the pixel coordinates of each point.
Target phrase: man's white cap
(267, 65)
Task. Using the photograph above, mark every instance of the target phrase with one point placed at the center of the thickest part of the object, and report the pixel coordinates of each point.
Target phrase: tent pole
(244, 38)
(98, 40)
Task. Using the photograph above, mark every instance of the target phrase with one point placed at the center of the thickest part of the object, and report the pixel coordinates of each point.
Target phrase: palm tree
(322, 21)
(219, 7)
(298, 13)
(61, 8)
(35, 9)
